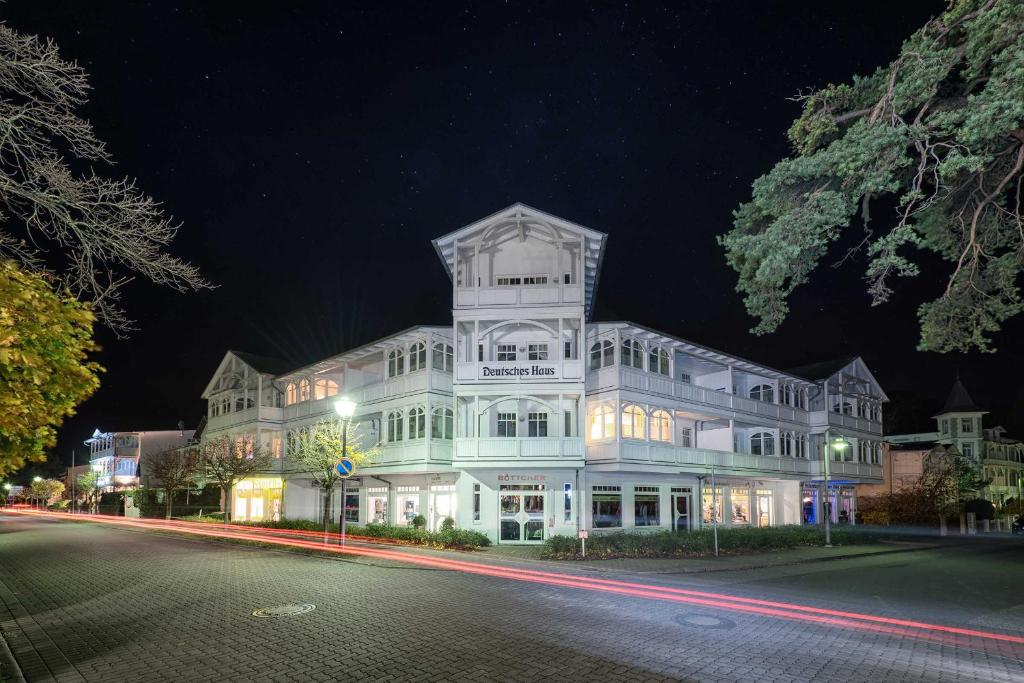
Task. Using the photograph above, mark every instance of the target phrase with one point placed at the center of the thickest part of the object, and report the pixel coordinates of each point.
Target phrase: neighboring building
(960, 425)
(120, 456)
(523, 418)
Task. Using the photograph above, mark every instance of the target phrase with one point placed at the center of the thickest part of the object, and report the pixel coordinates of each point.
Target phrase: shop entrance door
(521, 517)
(442, 507)
(680, 512)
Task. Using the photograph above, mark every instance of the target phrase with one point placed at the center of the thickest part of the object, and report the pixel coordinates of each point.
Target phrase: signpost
(346, 467)
(583, 542)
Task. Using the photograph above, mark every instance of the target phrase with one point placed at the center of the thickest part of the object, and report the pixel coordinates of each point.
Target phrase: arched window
(762, 443)
(417, 357)
(632, 353)
(633, 418)
(762, 392)
(443, 355)
(214, 409)
(324, 388)
(442, 423)
(657, 361)
(396, 362)
(800, 445)
(602, 423)
(801, 399)
(786, 394)
(291, 394)
(225, 406)
(786, 444)
(417, 423)
(395, 426)
(661, 426)
(602, 354)
(304, 390)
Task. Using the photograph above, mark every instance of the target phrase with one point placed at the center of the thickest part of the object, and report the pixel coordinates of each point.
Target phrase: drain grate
(283, 610)
(703, 621)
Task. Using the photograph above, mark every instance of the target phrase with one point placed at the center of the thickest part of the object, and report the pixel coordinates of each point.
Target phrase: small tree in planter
(226, 461)
(174, 470)
(419, 522)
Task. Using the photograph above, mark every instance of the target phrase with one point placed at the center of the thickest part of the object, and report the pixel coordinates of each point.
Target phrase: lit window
(396, 362)
(443, 354)
(601, 354)
(633, 422)
(441, 423)
(658, 361)
(537, 424)
(304, 390)
(661, 426)
(417, 423)
(417, 357)
(762, 443)
(395, 426)
(506, 424)
(602, 423)
(632, 353)
(506, 352)
(762, 392)
(324, 388)
(537, 351)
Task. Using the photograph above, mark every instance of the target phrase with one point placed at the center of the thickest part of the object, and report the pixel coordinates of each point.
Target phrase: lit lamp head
(840, 444)
(37, 478)
(7, 487)
(345, 408)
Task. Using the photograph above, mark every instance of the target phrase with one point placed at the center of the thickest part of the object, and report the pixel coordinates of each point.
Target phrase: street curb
(10, 672)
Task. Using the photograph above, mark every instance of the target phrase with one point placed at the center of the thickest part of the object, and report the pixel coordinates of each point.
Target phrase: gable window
(417, 423)
(506, 353)
(537, 424)
(633, 418)
(602, 423)
(304, 390)
(657, 361)
(601, 354)
(762, 392)
(762, 443)
(324, 388)
(443, 356)
(632, 354)
(396, 362)
(537, 352)
(395, 426)
(442, 423)
(417, 357)
(506, 424)
(661, 426)
(966, 426)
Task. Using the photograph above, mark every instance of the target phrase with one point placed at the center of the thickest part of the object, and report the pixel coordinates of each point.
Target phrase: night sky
(313, 151)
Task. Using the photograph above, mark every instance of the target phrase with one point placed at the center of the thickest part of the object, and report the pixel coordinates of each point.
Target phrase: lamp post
(36, 479)
(7, 492)
(345, 408)
(839, 445)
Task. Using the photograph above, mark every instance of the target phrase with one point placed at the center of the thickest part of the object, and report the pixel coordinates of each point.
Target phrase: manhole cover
(283, 610)
(703, 621)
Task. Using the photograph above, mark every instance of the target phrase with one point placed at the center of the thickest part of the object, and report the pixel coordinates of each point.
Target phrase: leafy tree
(104, 231)
(47, 490)
(88, 490)
(316, 451)
(949, 480)
(226, 461)
(174, 470)
(939, 132)
(45, 340)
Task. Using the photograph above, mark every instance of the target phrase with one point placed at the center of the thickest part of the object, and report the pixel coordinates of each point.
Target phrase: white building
(119, 457)
(524, 418)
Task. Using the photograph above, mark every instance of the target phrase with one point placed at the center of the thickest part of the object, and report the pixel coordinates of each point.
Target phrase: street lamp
(839, 444)
(345, 408)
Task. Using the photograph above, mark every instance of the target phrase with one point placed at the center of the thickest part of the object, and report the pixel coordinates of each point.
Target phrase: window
(786, 394)
(239, 404)
(847, 408)
(396, 362)
(568, 424)
(606, 506)
(506, 424)
(966, 426)
(711, 505)
(601, 354)
(480, 352)
(417, 423)
(537, 352)
(740, 504)
(324, 388)
(602, 423)
(395, 426)
(275, 445)
(567, 502)
(685, 378)
(633, 422)
(476, 502)
(515, 280)
(567, 350)
(945, 426)
(352, 506)
(632, 353)
(800, 446)
(657, 361)
(661, 426)
(417, 357)
(646, 506)
(304, 390)
(786, 444)
(443, 355)
(762, 443)
(442, 423)
(801, 399)
(762, 392)
(506, 352)
(537, 424)
(685, 439)
(968, 450)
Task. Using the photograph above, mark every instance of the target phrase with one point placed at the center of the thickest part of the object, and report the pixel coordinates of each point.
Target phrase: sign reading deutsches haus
(513, 371)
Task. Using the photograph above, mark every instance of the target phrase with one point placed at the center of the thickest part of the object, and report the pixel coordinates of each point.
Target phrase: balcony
(498, 449)
(660, 385)
(241, 417)
(859, 424)
(433, 380)
(433, 451)
(527, 295)
(700, 459)
(523, 371)
(843, 469)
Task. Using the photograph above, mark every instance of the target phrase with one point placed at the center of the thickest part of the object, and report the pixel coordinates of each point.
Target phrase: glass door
(520, 517)
(680, 512)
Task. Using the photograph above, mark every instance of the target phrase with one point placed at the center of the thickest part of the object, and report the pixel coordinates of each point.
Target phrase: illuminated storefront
(258, 500)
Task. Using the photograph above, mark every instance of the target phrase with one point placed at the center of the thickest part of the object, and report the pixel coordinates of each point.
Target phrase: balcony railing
(410, 452)
(433, 380)
(528, 295)
(529, 448)
(254, 414)
(840, 469)
(860, 424)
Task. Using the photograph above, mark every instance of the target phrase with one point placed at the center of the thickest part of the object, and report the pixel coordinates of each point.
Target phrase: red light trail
(840, 618)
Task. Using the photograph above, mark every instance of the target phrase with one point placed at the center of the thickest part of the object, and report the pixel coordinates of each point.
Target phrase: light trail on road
(951, 635)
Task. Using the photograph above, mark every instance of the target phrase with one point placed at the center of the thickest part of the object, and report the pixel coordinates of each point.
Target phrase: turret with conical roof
(959, 421)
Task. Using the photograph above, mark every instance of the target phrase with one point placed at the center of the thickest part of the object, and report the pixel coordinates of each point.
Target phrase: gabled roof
(261, 364)
(593, 242)
(822, 369)
(959, 401)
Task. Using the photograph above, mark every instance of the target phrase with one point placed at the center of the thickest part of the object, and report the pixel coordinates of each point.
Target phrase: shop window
(506, 353)
(602, 354)
(417, 423)
(537, 424)
(396, 362)
(324, 388)
(632, 354)
(377, 505)
(765, 507)
(633, 422)
(762, 392)
(417, 357)
(602, 423)
(646, 506)
(537, 352)
(396, 424)
(762, 443)
(658, 361)
(442, 423)
(476, 502)
(443, 357)
(661, 426)
(740, 506)
(506, 424)
(686, 437)
(606, 506)
(567, 502)
(352, 506)
(711, 505)
(408, 502)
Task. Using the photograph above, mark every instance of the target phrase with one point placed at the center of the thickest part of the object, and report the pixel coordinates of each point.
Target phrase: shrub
(419, 522)
(447, 523)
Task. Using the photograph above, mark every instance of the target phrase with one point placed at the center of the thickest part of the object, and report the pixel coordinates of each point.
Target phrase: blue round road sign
(346, 467)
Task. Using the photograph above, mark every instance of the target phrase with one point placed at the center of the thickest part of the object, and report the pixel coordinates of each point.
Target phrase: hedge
(701, 543)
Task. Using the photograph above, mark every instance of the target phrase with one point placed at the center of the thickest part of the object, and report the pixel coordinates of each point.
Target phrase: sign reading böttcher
(519, 371)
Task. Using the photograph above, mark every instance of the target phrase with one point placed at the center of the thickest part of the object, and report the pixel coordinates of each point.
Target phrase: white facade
(525, 419)
(120, 457)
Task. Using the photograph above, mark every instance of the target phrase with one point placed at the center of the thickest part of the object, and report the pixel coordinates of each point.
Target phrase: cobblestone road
(94, 603)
